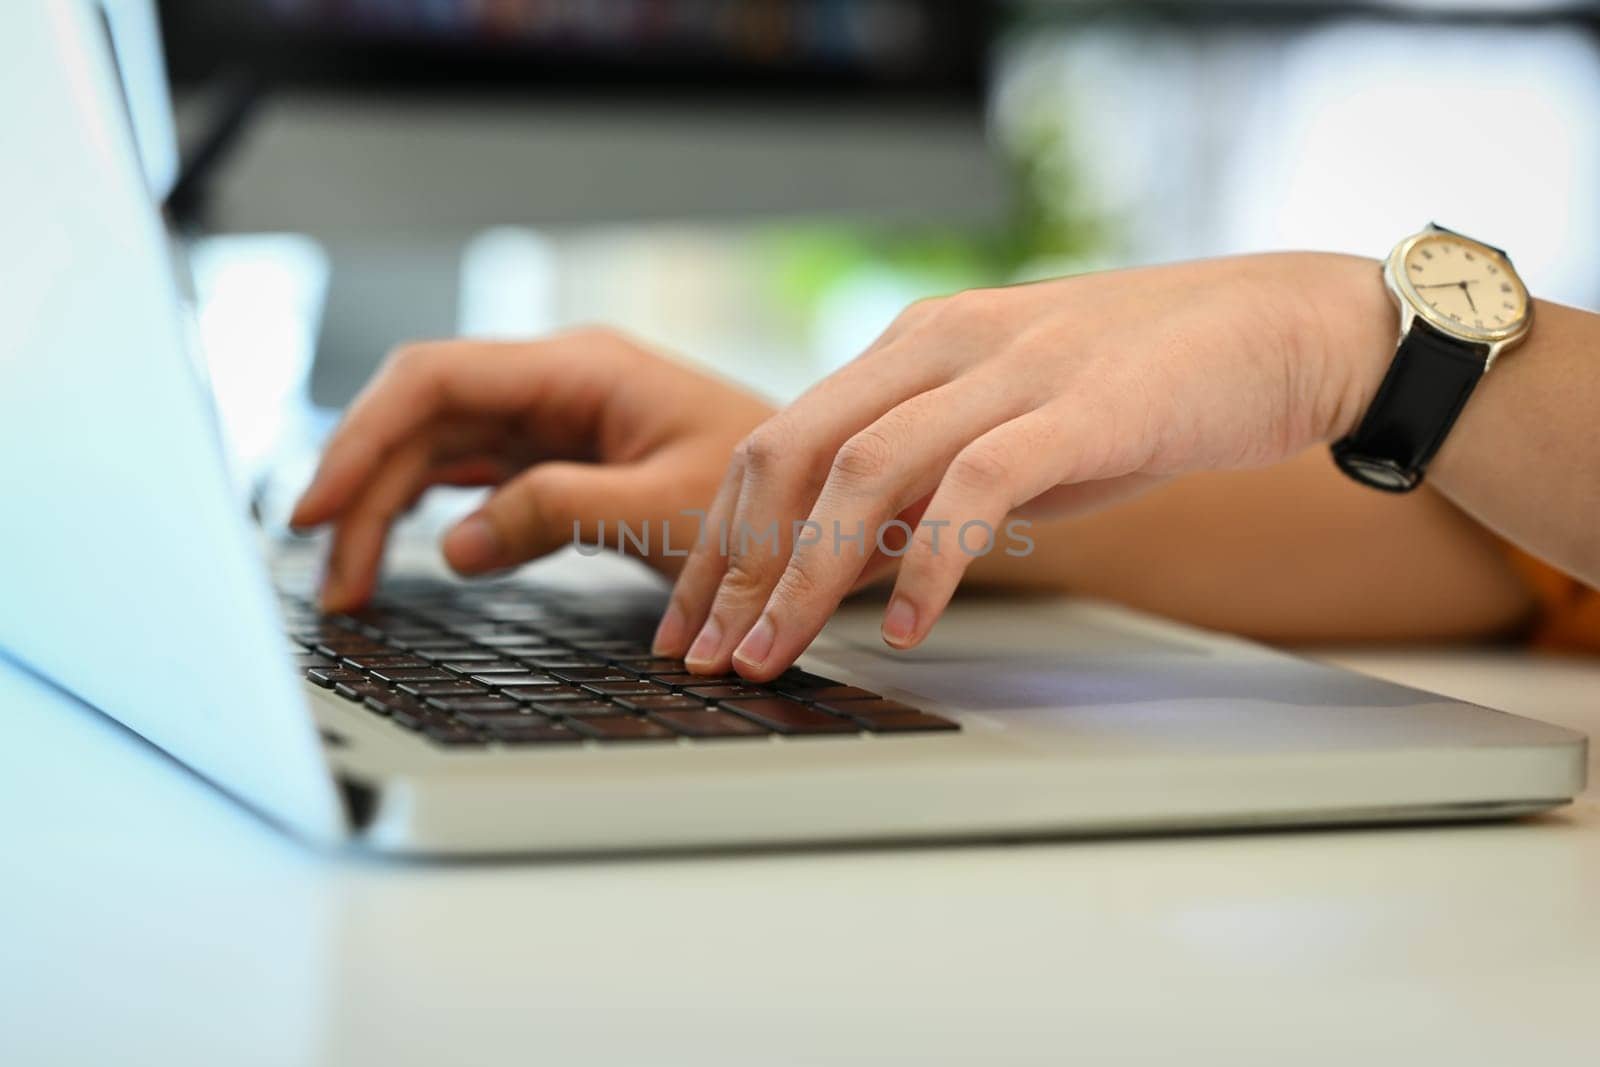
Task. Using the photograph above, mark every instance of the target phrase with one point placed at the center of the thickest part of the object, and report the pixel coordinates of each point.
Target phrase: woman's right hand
(573, 430)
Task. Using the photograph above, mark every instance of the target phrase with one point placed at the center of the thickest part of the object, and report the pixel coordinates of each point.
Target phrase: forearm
(1524, 458)
(1294, 553)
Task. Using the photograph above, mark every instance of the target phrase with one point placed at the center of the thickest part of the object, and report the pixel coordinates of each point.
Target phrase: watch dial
(1466, 285)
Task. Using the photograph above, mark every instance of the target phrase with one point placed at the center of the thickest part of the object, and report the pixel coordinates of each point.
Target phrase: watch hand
(1444, 285)
(1467, 293)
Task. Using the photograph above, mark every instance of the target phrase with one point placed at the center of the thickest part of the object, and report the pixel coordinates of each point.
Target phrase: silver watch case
(1412, 306)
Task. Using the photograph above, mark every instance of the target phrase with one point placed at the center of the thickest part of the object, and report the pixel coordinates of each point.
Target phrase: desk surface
(145, 919)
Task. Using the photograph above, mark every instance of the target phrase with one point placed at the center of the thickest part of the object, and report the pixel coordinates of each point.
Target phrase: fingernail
(669, 635)
(705, 646)
(757, 644)
(473, 545)
(899, 622)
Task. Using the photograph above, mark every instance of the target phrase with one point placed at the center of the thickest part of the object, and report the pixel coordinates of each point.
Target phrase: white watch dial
(1465, 284)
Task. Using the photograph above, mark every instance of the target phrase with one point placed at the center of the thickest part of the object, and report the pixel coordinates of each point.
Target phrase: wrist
(1349, 330)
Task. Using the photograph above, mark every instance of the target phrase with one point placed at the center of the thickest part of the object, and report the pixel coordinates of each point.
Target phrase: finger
(560, 383)
(786, 461)
(1014, 463)
(702, 570)
(359, 536)
(753, 549)
(551, 505)
(876, 475)
(886, 560)
(471, 472)
(363, 527)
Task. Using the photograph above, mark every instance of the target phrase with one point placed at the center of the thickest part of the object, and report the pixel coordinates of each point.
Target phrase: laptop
(527, 715)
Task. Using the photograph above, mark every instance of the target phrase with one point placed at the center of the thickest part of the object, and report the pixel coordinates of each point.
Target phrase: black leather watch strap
(1426, 387)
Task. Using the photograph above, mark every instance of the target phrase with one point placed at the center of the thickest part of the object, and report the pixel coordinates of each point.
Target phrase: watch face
(1462, 286)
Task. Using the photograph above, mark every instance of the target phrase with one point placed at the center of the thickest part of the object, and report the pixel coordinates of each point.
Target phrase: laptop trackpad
(1060, 655)
(1054, 631)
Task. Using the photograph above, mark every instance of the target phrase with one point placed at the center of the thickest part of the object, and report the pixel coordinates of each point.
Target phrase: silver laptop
(131, 576)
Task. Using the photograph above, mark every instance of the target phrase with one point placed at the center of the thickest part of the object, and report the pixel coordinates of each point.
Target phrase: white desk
(145, 919)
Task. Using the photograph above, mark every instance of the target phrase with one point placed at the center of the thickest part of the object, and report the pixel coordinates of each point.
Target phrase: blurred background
(761, 185)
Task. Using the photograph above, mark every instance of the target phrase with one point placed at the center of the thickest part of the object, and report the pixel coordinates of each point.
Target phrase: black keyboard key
(725, 692)
(421, 645)
(375, 661)
(623, 728)
(795, 678)
(645, 663)
(826, 694)
(503, 681)
(857, 708)
(533, 732)
(328, 677)
(395, 703)
(529, 693)
(396, 675)
(494, 720)
(478, 705)
(470, 667)
(673, 701)
(508, 639)
(462, 659)
(560, 663)
(426, 646)
(311, 636)
(679, 678)
(307, 660)
(630, 689)
(706, 722)
(419, 718)
(521, 651)
(353, 647)
(453, 734)
(591, 674)
(791, 717)
(891, 716)
(906, 723)
(443, 689)
(609, 647)
(574, 708)
(574, 634)
(360, 691)
(483, 630)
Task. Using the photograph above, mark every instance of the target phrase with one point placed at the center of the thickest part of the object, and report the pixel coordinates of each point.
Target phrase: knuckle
(980, 468)
(417, 356)
(972, 309)
(762, 449)
(404, 359)
(918, 312)
(800, 583)
(590, 332)
(864, 458)
(926, 541)
(746, 576)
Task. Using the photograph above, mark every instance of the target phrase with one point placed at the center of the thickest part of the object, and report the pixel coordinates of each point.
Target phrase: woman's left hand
(1046, 397)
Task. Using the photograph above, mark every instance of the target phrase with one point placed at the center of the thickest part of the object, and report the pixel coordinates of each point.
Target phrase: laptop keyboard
(519, 666)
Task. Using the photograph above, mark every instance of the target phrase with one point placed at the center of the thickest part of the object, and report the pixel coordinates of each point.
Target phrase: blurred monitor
(387, 114)
(933, 49)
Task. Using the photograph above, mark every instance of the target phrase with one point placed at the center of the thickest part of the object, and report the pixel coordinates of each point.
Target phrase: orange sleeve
(1567, 616)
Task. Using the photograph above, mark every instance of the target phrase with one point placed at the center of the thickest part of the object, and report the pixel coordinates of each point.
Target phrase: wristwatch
(1461, 305)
